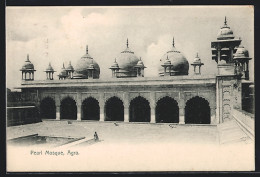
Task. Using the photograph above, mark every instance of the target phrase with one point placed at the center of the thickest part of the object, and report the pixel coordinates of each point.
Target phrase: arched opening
(140, 110)
(90, 109)
(48, 108)
(68, 109)
(197, 111)
(114, 109)
(167, 111)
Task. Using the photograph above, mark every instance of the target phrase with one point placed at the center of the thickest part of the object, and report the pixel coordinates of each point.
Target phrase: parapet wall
(246, 121)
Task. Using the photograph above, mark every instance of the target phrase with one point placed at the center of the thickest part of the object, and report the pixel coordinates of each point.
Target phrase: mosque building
(174, 96)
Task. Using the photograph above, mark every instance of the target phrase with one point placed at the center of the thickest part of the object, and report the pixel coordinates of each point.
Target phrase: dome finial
(127, 42)
(28, 57)
(63, 67)
(140, 58)
(115, 60)
(197, 55)
(49, 63)
(87, 49)
(173, 41)
(167, 58)
(225, 22)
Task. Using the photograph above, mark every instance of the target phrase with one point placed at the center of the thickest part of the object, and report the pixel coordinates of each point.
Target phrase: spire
(127, 43)
(63, 67)
(197, 55)
(225, 22)
(49, 63)
(173, 41)
(28, 57)
(140, 58)
(87, 49)
(167, 58)
(115, 60)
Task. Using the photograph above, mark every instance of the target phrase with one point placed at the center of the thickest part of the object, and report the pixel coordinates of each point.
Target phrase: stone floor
(139, 147)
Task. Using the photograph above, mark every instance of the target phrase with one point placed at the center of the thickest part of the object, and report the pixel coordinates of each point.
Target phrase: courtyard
(135, 147)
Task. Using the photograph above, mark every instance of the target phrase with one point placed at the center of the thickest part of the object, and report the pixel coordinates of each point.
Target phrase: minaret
(197, 62)
(49, 72)
(28, 70)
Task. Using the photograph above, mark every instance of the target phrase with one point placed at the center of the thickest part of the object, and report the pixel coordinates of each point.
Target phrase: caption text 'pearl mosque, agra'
(175, 96)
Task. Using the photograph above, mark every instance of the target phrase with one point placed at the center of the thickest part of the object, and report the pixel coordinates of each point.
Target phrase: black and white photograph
(130, 88)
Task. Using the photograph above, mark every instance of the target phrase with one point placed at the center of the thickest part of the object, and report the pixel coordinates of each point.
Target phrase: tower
(28, 70)
(49, 72)
(197, 62)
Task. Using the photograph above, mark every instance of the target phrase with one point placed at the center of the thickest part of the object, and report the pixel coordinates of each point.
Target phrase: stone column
(126, 113)
(153, 114)
(102, 115)
(79, 102)
(213, 116)
(181, 115)
(126, 107)
(101, 105)
(79, 112)
(58, 112)
(152, 105)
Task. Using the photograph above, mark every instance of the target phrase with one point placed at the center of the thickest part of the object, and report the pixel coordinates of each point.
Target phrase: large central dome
(180, 65)
(127, 62)
(81, 70)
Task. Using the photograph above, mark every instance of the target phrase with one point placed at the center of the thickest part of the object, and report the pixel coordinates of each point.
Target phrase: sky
(60, 34)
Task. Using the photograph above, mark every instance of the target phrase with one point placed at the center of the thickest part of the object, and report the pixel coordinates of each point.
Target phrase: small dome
(114, 65)
(49, 68)
(127, 61)
(140, 64)
(63, 72)
(28, 65)
(241, 53)
(180, 65)
(70, 67)
(81, 70)
(225, 32)
(197, 59)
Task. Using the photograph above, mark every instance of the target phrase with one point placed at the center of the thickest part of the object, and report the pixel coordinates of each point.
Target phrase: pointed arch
(90, 109)
(114, 109)
(167, 110)
(140, 110)
(68, 108)
(197, 111)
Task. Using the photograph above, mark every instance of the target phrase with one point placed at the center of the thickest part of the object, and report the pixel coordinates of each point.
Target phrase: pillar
(126, 107)
(153, 114)
(152, 107)
(58, 112)
(213, 116)
(181, 115)
(126, 113)
(79, 112)
(101, 105)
